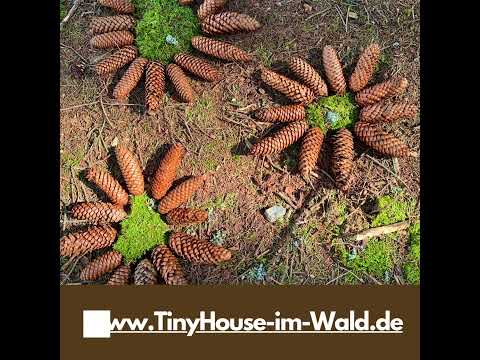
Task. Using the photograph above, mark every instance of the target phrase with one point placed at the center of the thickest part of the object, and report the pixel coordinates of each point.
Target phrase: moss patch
(392, 209)
(411, 267)
(63, 10)
(333, 112)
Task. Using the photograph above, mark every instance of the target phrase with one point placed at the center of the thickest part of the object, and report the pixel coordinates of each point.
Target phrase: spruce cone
(131, 170)
(98, 212)
(180, 83)
(112, 39)
(196, 250)
(101, 265)
(229, 23)
(85, 241)
(333, 70)
(180, 194)
(290, 88)
(130, 79)
(309, 76)
(106, 24)
(386, 89)
(154, 86)
(310, 150)
(186, 216)
(342, 158)
(387, 112)
(365, 67)
(108, 185)
(168, 266)
(145, 273)
(287, 113)
(120, 6)
(166, 171)
(280, 139)
(210, 7)
(380, 140)
(219, 49)
(121, 276)
(199, 67)
(115, 61)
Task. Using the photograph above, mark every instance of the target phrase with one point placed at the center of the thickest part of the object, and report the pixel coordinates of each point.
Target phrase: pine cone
(108, 185)
(199, 67)
(130, 79)
(380, 140)
(290, 88)
(115, 61)
(309, 76)
(280, 139)
(166, 171)
(120, 6)
(210, 7)
(310, 150)
(154, 86)
(380, 111)
(196, 250)
(145, 273)
(85, 241)
(98, 212)
(131, 170)
(180, 194)
(112, 39)
(229, 23)
(186, 216)
(384, 90)
(219, 49)
(121, 276)
(180, 83)
(365, 67)
(333, 70)
(106, 24)
(101, 265)
(168, 266)
(287, 113)
(342, 158)
(185, 2)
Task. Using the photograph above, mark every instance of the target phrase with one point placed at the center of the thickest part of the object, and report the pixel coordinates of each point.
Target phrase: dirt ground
(214, 130)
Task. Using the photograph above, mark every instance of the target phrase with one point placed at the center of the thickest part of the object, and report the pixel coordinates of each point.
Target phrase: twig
(74, 8)
(75, 51)
(78, 106)
(390, 171)
(381, 230)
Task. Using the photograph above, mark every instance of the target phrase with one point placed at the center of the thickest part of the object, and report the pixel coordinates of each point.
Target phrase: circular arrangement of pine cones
(373, 100)
(162, 263)
(115, 32)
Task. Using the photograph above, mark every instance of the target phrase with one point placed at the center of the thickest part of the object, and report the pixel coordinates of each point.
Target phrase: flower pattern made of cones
(198, 251)
(167, 170)
(131, 170)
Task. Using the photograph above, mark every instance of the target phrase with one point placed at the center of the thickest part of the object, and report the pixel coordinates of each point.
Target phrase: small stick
(74, 8)
(381, 230)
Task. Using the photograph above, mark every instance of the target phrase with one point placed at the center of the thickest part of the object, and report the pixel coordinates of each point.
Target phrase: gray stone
(275, 213)
(332, 117)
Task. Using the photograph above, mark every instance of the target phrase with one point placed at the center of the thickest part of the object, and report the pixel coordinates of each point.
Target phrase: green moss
(392, 209)
(411, 267)
(141, 231)
(63, 10)
(161, 19)
(71, 160)
(333, 112)
(265, 55)
(222, 202)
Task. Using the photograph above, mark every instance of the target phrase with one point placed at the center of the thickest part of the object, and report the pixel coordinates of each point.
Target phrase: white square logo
(96, 324)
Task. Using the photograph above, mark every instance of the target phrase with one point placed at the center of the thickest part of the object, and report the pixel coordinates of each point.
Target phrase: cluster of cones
(373, 100)
(163, 264)
(115, 32)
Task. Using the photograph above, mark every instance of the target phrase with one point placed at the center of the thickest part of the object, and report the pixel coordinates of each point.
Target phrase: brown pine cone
(365, 67)
(186, 2)
(280, 139)
(108, 185)
(380, 140)
(101, 265)
(180, 194)
(112, 39)
(120, 6)
(115, 61)
(85, 241)
(310, 150)
(145, 273)
(219, 49)
(290, 88)
(228, 23)
(384, 90)
(180, 83)
(342, 158)
(286, 113)
(121, 276)
(168, 266)
(98, 212)
(309, 76)
(131, 170)
(166, 171)
(186, 216)
(380, 111)
(197, 251)
(154, 86)
(199, 67)
(106, 24)
(210, 7)
(333, 70)
(130, 79)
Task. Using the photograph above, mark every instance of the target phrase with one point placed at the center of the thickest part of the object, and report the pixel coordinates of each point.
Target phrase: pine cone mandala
(229, 23)
(198, 251)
